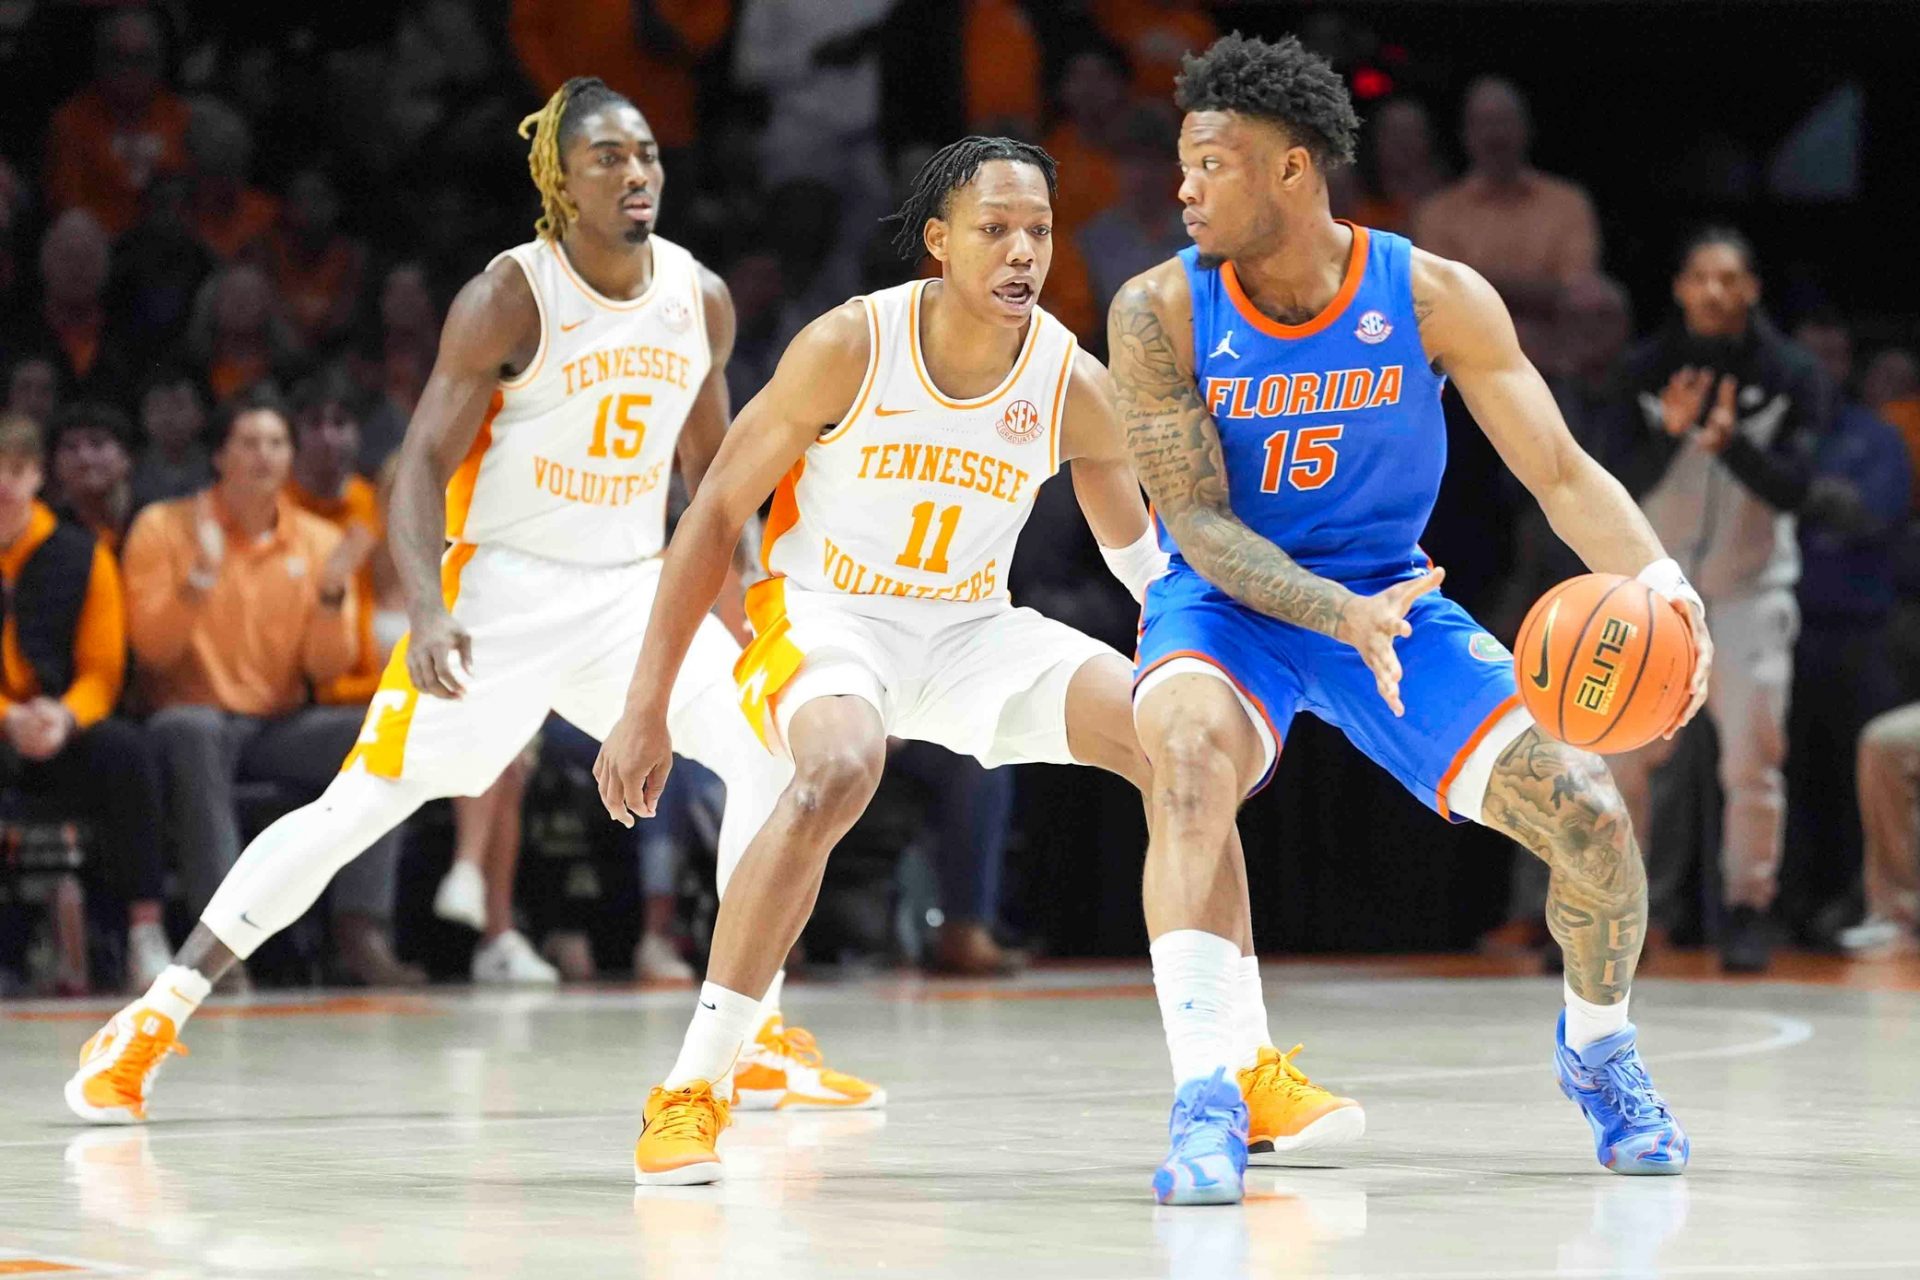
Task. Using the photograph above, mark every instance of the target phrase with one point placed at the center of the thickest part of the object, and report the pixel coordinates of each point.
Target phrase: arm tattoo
(1561, 803)
(1176, 452)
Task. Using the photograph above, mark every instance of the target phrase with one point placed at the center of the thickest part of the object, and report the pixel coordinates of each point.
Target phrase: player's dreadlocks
(550, 127)
(949, 169)
(1281, 82)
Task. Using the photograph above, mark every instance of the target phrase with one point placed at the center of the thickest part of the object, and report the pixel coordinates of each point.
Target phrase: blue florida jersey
(1332, 429)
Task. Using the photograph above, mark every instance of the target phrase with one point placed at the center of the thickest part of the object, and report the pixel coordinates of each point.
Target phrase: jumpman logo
(1226, 347)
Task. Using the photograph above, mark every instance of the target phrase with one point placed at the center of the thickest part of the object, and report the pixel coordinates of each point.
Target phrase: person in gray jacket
(1728, 414)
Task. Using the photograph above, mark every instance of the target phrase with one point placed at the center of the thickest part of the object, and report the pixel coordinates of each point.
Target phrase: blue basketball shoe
(1208, 1163)
(1633, 1132)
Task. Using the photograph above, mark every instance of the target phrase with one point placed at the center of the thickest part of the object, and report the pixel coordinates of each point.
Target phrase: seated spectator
(1842, 667)
(111, 139)
(70, 326)
(326, 445)
(1093, 104)
(1402, 164)
(1156, 35)
(63, 658)
(1143, 227)
(316, 269)
(230, 217)
(1888, 767)
(158, 269)
(1000, 69)
(174, 461)
(1721, 457)
(33, 388)
(91, 470)
(969, 820)
(238, 335)
(394, 371)
(238, 601)
(1527, 232)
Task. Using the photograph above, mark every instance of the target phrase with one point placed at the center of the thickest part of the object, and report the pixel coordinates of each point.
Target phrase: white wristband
(1137, 563)
(1666, 577)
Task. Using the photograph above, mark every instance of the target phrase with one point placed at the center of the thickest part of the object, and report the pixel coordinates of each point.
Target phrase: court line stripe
(1661, 1269)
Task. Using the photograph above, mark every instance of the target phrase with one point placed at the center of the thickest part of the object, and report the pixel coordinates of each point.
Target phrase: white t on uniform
(556, 519)
(890, 542)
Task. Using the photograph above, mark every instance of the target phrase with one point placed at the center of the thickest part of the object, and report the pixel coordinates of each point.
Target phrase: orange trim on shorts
(867, 383)
(783, 515)
(382, 745)
(1279, 742)
(1054, 428)
(1356, 271)
(460, 488)
(926, 380)
(1474, 739)
(770, 661)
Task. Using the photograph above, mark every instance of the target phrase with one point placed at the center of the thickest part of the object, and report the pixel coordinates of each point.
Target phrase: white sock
(722, 1021)
(1249, 1013)
(1194, 974)
(1589, 1023)
(770, 1003)
(177, 992)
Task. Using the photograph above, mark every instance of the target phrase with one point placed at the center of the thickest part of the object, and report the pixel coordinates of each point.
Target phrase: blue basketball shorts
(1457, 681)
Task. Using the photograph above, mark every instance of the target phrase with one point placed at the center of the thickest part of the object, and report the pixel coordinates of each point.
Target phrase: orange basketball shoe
(782, 1070)
(1287, 1112)
(676, 1141)
(118, 1064)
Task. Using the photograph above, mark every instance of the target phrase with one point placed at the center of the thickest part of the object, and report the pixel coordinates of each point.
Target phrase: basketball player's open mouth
(1015, 293)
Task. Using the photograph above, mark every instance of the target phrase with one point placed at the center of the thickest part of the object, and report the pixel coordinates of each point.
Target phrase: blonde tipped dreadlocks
(548, 128)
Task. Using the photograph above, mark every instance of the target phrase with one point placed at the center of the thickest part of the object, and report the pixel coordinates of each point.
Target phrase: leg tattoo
(1560, 802)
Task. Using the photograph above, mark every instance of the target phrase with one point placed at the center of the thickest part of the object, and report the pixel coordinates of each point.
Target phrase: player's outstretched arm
(1103, 479)
(814, 387)
(493, 323)
(1176, 451)
(1467, 332)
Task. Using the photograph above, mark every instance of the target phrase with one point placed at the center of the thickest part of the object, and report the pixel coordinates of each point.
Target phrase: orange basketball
(1604, 662)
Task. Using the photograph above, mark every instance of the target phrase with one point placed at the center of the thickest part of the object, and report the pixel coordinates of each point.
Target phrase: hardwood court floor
(463, 1134)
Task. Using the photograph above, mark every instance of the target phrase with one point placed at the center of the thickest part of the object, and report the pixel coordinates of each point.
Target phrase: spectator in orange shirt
(326, 445)
(1093, 99)
(646, 50)
(92, 470)
(237, 333)
(1527, 232)
(1000, 69)
(230, 217)
(1403, 165)
(63, 659)
(238, 602)
(71, 324)
(316, 269)
(111, 139)
(1156, 34)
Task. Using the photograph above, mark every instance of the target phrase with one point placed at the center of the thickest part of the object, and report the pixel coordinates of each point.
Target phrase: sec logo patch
(676, 315)
(1020, 423)
(1373, 327)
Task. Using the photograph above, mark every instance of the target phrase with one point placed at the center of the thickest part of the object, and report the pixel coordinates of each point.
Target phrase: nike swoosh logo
(569, 328)
(714, 1007)
(248, 921)
(884, 412)
(1199, 1175)
(1540, 678)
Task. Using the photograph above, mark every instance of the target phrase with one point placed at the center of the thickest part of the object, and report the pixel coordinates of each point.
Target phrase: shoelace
(796, 1043)
(1191, 1122)
(692, 1113)
(1624, 1083)
(138, 1061)
(1281, 1074)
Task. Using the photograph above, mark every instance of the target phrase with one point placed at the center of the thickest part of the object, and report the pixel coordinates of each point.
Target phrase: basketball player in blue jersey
(1279, 383)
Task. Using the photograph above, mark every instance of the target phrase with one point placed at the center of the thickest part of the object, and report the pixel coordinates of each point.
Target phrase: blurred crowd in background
(227, 240)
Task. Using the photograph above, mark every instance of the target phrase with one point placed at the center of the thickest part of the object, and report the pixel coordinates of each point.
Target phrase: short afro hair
(1281, 82)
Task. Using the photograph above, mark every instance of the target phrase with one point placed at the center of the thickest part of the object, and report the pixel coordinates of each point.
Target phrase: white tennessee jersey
(573, 459)
(916, 495)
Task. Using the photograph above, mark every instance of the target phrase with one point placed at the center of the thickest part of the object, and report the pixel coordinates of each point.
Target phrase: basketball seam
(1560, 703)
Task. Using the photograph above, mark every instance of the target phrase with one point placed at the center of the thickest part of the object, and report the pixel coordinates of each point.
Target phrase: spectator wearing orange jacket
(111, 139)
(326, 440)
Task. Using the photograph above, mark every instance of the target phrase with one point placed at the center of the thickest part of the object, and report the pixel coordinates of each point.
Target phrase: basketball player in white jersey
(906, 432)
(528, 516)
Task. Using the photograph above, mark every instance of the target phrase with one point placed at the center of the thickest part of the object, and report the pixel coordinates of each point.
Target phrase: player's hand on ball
(633, 765)
(1372, 623)
(1695, 612)
(439, 655)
